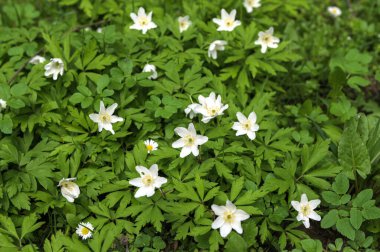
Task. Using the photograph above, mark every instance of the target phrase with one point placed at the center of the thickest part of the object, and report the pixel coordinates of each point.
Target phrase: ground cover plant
(189, 125)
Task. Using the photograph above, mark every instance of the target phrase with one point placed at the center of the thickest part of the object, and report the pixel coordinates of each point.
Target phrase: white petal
(237, 226)
(218, 210)
(102, 108)
(241, 117)
(68, 197)
(201, 139)
(154, 170)
(108, 126)
(218, 222)
(230, 206)
(225, 229)
(95, 118)
(191, 129)
(314, 203)
(181, 131)
(194, 150)
(159, 181)
(179, 143)
(149, 191)
(185, 151)
(251, 135)
(296, 205)
(306, 223)
(136, 182)
(140, 192)
(241, 215)
(142, 170)
(252, 117)
(314, 216)
(304, 199)
(115, 119)
(111, 109)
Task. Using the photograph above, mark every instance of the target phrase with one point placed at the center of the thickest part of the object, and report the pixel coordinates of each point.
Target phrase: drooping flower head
(246, 126)
(69, 189)
(217, 45)
(191, 110)
(266, 39)
(210, 107)
(229, 217)
(37, 60)
(184, 23)
(334, 11)
(54, 68)
(227, 21)
(85, 230)
(150, 145)
(305, 210)
(142, 21)
(149, 68)
(105, 118)
(250, 4)
(189, 140)
(148, 181)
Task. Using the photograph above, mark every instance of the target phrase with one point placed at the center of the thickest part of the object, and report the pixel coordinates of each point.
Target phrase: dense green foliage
(316, 97)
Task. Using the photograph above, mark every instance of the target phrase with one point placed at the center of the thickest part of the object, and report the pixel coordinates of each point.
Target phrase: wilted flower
(105, 118)
(266, 39)
(148, 181)
(227, 22)
(334, 11)
(3, 104)
(246, 126)
(85, 230)
(305, 210)
(54, 67)
(37, 60)
(150, 145)
(210, 107)
(142, 21)
(217, 45)
(69, 189)
(250, 4)
(148, 68)
(191, 110)
(189, 140)
(229, 217)
(184, 23)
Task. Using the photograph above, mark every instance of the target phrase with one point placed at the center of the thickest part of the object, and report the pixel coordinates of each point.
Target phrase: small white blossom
(210, 107)
(191, 110)
(150, 145)
(184, 23)
(266, 39)
(69, 189)
(246, 126)
(148, 68)
(105, 118)
(148, 181)
(189, 140)
(37, 60)
(3, 104)
(217, 45)
(334, 11)
(227, 21)
(142, 21)
(305, 210)
(250, 4)
(229, 217)
(99, 30)
(55, 67)
(85, 230)
(87, 29)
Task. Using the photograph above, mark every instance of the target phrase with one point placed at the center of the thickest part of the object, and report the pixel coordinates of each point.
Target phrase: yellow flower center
(267, 38)
(149, 147)
(229, 217)
(68, 185)
(143, 21)
(148, 180)
(229, 22)
(305, 210)
(247, 125)
(213, 111)
(56, 65)
(189, 140)
(105, 118)
(85, 231)
(182, 24)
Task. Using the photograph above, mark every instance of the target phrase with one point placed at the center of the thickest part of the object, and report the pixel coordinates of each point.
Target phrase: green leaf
(362, 198)
(9, 227)
(330, 219)
(235, 243)
(312, 156)
(356, 218)
(237, 185)
(310, 245)
(29, 224)
(331, 197)
(341, 184)
(6, 124)
(371, 213)
(345, 228)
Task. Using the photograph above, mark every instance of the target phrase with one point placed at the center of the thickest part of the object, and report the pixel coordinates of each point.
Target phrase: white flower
(150, 145)
(142, 21)
(250, 4)
(87, 29)
(148, 182)
(246, 126)
(191, 110)
(189, 140)
(227, 22)
(210, 107)
(3, 104)
(85, 230)
(99, 30)
(184, 23)
(217, 45)
(37, 60)
(54, 67)
(229, 217)
(266, 39)
(69, 189)
(334, 11)
(305, 210)
(148, 68)
(105, 119)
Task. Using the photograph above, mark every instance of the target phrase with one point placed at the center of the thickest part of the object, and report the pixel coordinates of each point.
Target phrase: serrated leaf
(345, 228)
